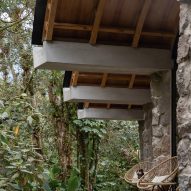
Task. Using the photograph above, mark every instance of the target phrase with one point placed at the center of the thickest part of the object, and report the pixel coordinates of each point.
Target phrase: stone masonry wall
(145, 132)
(184, 90)
(155, 130)
(161, 114)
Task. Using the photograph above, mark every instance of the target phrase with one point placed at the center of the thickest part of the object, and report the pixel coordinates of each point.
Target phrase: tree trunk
(64, 151)
(83, 159)
(62, 133)
(29, 88)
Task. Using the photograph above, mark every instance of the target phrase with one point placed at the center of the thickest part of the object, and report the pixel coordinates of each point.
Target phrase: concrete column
(184, 102)
(161, 114)
(145, 132)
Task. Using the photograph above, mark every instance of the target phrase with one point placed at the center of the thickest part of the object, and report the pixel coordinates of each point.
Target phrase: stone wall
(184, 90)
(145, 132)
(155, 130)
(161, 114)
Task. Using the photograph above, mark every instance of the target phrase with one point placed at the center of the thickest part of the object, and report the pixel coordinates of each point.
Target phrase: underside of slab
(107, 95)
(111, 114)
(75, 56)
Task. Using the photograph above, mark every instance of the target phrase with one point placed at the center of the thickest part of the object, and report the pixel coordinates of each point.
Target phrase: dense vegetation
(43, 146)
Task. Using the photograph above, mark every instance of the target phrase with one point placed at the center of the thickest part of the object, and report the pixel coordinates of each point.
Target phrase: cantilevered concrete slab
(111, 114)
(75, 56)
(107, 95)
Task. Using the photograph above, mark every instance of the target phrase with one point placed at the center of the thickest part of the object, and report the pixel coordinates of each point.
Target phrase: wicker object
(161, 175)
(131, 175)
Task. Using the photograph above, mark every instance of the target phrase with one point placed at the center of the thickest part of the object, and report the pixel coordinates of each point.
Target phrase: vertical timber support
(184, 102)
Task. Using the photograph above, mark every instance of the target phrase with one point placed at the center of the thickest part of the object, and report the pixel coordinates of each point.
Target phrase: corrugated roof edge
(38, 23)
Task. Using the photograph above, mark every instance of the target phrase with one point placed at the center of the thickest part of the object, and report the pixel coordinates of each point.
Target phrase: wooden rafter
(86, 104)
(97, 21)
(103, 83)
(140, 22)
(132, 81)
(108, 105)
(104, 80)
(118, 77)
(50, 18)
(117, 30)
(75, 76)
(131, 85)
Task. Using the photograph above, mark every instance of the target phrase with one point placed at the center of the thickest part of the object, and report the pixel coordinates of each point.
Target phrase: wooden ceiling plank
(104, 80)
(140, 22)
(158, 34)
(50, 15)
(117, 30)
(97, 21)
(118, 77)
(75, 78)
(70, 26)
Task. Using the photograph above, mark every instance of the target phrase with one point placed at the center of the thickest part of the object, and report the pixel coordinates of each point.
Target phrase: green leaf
(103, 131)
(16, 175)
(30, 120)
(56, 170)
(26, 171)
(1, 104)
(4, 115)
(3, 183)
(78, 123)
(46, 186)
(73, 182)
(23, 95)
(15, 186)
(86, 129)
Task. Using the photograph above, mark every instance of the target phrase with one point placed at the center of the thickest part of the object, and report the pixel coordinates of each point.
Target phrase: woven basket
(131, 174)
(167, 169)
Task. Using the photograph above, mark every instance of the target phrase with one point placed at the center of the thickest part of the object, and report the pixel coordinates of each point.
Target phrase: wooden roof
(135, 23)
(109, 80)
(148, 23)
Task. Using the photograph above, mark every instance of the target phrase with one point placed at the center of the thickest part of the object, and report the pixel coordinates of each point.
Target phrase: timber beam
(73, 56)
(107, 95)
(111, 114)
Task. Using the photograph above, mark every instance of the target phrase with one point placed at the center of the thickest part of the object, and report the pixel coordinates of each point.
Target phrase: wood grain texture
(86, 105)
(140, 22)
(104, 80)
(115, 30)
(50, 17)
(97, 21)
(75, 76)
(131, 85)
(118, 23)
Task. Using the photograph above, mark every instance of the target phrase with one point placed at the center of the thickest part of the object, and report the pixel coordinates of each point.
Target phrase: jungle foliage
(43, 146)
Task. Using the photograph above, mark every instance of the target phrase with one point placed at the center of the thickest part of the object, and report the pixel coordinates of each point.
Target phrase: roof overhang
(133, 40)
(110, 114)
(107, 95)
(75, 56)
